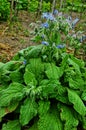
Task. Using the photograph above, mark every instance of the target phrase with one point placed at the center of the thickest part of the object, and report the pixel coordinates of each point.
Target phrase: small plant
(4, 9)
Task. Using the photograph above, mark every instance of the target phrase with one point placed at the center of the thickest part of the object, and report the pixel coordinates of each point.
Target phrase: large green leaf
(12, 125)
(28, 111)
(76, 83)
(34, 126)
(29, 78)
(43, 107)
(52, 71)
(9, 109)
(16, 76)
(50, 88)
(84, 122)
(11, 65)
(36, 67)
(15, 92)
(68, 117)
(75, 65)
(50, 121)
(77, 102)
(35, 52)
(83, 96)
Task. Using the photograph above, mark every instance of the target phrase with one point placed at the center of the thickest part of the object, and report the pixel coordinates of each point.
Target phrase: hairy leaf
(15, 91)
(52, 71)
(9, 109)
(28, 111)
(36, 67)
(77, 102)
(12, 125)
(83, 96)
(68, 117)
(76, 83)
(50, 88)
(50, 121)
(34, 52)
(84, 122)
(43, 107)
(29, 78)
(16, 76)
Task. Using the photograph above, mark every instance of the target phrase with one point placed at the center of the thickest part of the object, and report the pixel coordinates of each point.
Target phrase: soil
(16, 35)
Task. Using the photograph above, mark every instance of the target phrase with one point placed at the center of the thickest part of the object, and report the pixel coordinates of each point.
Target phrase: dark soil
(15, 36)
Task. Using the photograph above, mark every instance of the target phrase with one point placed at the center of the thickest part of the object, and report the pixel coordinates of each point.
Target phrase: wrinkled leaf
(52, 71)
(12, 125)
(15, 91)
(68, 117)
(36, 67)
(43, 107)
(50, 121)
(77, 102)
(9, 109)
(29, 78)
(28, 111)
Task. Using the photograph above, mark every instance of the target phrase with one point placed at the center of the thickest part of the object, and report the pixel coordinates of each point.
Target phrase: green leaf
(34, 52)
(34, 126)
(83, 96)
(43, 107)
(50, 121)
(52, 71)
(16, 76)
(12, 125)
(14, 92)
(84, 122)
(36, 67)
(28, 111)
(76, 83)
(75, 65)
(68, 117)
(77, 102)
(9, 109)
(50, 88)
(29, 78)
(1, 65)
(11, 65)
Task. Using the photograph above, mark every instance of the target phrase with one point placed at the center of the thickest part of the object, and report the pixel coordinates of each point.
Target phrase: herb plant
(44, 88)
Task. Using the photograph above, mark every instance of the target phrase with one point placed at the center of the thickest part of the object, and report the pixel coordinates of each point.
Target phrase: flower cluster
(55, 29)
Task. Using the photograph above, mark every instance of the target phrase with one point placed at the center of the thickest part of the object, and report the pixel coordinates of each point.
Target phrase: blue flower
(74, 22)
(48, 16)
(45, 43)
(24, 62)
(55, 12)
(82, 38)
(69, 18)
(45, 25)
(45, 15)
(60, 46)
(51, 17)
(43, 36)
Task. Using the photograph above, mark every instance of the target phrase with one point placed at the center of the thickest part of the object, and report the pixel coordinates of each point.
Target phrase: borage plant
(52, 31)
(56, 30)
(40, 91)
(43, 87)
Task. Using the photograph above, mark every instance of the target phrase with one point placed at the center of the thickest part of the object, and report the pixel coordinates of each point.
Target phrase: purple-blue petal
(45, 43)
(45, 25)
(24, 62)
(60, 46)
(74, 22)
